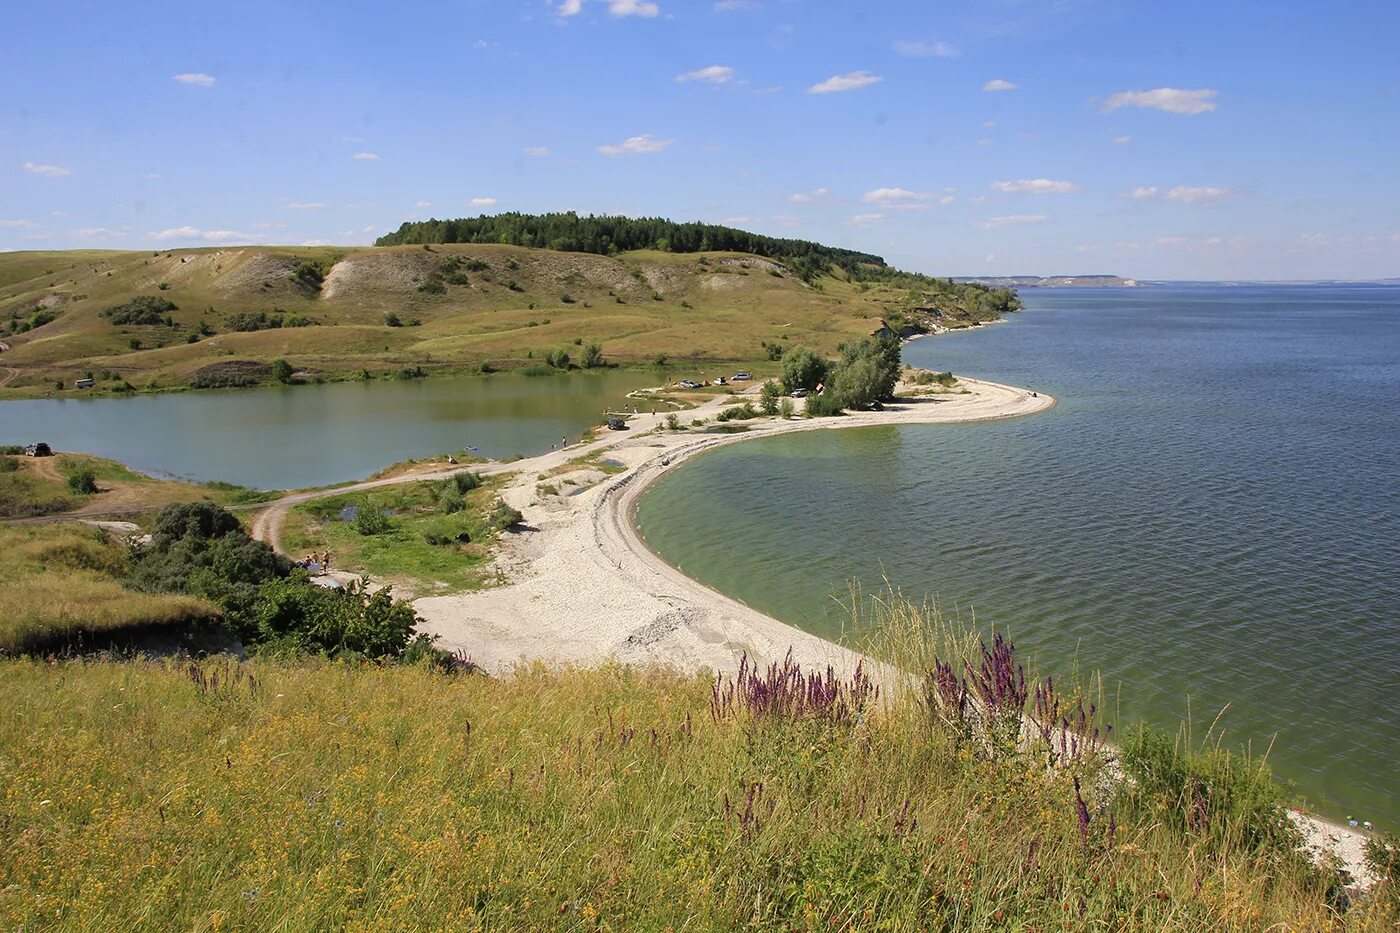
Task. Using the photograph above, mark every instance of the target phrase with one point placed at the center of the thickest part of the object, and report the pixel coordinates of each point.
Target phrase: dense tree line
(608, 235)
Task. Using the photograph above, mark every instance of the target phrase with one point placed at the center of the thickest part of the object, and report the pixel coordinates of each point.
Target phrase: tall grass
(63, 580)
(326, 796)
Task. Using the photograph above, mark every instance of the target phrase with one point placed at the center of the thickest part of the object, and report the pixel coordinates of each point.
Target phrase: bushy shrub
(768, 395)
(370, 521)
(282, 371)
(785, 408)
(559, 359)
(737, 413)
(824, 405)
(293, 615)
(504, 516)
(144, 310)
(249, 321)
(592, 357)
(83, 481)
(450, 501)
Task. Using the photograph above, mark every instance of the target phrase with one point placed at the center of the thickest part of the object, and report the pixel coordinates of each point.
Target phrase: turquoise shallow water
(1211, 512)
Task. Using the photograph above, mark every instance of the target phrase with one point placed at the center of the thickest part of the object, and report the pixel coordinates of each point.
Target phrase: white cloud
(727, 6)
(58, 213)
(1036, 186)
(194, 233)
(570, 7)
(424, 204)
(1169, 99)
(152, 176)
(712, 74)
(992, 223)
(482, 202)
(997, 84)
(846, 82)
(807, 197)
(365, 157)
(643, 8)
(988, 124)
(17, 224)
(896, 198)
(865, 220)
(1122, 140)
(918, 48)
(267, 225)
(49, 171)
(349, 139)
(537, 150)
(306, 205)
(197, 78)
(637, 145)
(1142, 192)
(98, 233)
(947, 199)
(1205, 195)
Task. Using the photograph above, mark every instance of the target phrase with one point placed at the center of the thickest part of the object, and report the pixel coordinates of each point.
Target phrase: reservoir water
(293, 436)
(1211, 512)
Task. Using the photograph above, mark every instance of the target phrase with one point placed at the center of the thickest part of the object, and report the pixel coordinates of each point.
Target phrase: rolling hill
(157, 320)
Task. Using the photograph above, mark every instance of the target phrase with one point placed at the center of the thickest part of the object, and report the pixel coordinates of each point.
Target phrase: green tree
(83, 481)
(768, 396)
(802, 369)
(282, 371)
(592, 356)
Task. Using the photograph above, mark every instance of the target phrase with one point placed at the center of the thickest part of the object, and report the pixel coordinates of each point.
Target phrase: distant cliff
(1051, 281)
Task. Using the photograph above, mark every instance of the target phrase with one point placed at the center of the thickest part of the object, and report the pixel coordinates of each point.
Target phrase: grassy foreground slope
(317, 795)
(456, 306)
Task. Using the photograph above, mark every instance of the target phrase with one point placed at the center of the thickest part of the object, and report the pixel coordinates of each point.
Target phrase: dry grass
(327, 796)
(62, 580)
(708, 312)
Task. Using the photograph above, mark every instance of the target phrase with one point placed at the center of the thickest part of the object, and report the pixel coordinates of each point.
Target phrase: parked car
(689, 384)
(616, 424)
(799, 392)
(720, 380)
(38, 450)
(742, 377)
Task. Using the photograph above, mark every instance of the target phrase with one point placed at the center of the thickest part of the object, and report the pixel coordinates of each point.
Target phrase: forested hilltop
(609, 235)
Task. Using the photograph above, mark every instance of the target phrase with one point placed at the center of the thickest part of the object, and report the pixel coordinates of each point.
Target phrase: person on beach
(326, 562)
(563, 442)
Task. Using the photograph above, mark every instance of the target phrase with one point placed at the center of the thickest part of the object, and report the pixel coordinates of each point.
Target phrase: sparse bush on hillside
(768, 395)
(741, 412)
(82, 481)
(282, 371)
(310, 273)
(249, 321)
(371, 521)
(146, 310)
(592, 357)
(559, 359)
(774, 350)
(392, 320)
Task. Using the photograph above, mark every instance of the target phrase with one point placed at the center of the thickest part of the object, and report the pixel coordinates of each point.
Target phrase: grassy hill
(331, 311)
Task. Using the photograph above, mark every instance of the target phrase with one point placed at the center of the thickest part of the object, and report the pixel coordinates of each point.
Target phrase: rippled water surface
(1212, 511)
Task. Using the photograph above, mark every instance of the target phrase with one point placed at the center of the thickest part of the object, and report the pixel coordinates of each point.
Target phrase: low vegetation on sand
(431, 537)
(217, 795)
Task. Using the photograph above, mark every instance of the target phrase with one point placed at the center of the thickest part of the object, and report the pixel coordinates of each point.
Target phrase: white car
(742, 377)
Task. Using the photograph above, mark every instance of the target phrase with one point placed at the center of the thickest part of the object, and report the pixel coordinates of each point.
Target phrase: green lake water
(1211, 514)
(292, 436)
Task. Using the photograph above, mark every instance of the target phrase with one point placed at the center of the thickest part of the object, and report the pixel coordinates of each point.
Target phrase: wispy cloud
(482, 202)
(423, 204)
(197, 78)
(306, 205)
(993, 223)
(194, 233)
(896, 198)
(1122, 140)
(98, 233)
(997, 84)
(537, 150)
(17, 224)
(1142, 193)
(268, 225)
(643, 8)
(48, 171)
(865, 220)
(712, 74)
(637, 145)
(846, 82)
(1169, 99)
(729, 6)
(919, 48)
(570, 8)
(1035, 186)
(807, 197)
(366, 156)
(1184, 194)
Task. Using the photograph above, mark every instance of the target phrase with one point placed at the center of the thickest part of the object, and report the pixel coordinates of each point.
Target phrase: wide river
(1211, 515)
(294, 436)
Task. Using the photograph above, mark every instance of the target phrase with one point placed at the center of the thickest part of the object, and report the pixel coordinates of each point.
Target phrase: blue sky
(1158, 140)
